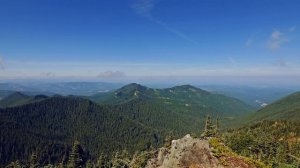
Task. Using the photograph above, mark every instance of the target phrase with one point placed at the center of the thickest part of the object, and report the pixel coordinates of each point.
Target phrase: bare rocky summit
(189, 152)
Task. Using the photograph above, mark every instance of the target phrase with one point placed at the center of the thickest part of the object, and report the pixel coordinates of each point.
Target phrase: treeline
(276, 143)
(78, 158)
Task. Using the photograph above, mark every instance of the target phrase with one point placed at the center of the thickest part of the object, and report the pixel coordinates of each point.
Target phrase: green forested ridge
(18, 98)
(182, 98)
(54, 123)
(140, 121)
(287, 108)
(272, 134)
(133, 118)
(49, 126)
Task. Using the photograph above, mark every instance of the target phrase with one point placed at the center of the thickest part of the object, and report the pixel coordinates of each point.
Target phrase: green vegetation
(185, 98)
(48, 127)
(286, 108)
(39, 130)
(223, 153)
(140, 121)
(18, 98)
(272, 134)
(269, 141)
(77, 159)
(210, 130)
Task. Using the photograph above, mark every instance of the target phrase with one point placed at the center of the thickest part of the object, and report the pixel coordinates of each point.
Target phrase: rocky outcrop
(189, 152)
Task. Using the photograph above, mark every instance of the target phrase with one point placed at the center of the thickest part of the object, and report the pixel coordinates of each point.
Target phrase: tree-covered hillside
(48, 127)
(183, 98)
(133, 117)
(276, 143)
(287, 108)
(137, 118)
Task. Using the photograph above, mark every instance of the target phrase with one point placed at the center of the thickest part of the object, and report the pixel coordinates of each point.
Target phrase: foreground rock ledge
(189, 152)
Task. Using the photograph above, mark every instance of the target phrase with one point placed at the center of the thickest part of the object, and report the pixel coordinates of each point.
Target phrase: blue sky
(157, 40)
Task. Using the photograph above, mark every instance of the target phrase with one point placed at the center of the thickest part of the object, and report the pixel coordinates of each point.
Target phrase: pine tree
(75, 158)
(209, 128)
(33, 163)
(217, 126)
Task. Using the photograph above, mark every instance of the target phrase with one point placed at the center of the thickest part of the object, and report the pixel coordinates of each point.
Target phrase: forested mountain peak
(132, 88)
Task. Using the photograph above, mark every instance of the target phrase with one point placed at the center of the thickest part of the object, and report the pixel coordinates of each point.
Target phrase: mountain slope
(48, 126)
(255, 96)
(287, 108)
(276, 141)
(123, 95)
(133, 117)
(18, 98)
(4, 93)
(184, 98)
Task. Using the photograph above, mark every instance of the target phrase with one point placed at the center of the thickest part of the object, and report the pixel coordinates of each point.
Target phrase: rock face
(189, 152)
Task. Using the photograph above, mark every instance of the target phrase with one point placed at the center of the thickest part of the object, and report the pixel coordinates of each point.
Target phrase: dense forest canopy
(134, 119)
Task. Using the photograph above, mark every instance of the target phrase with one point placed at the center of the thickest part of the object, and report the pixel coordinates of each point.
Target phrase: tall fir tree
(209, 129)
(75, 158)
(33, 163)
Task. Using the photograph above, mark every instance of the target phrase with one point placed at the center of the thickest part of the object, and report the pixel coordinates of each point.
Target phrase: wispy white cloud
(144, 8)
(276, 39)
(111, 74)
(291, 29)
(276, 34)
(249, 42)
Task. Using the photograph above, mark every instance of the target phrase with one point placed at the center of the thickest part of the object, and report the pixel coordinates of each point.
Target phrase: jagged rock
(189, 152)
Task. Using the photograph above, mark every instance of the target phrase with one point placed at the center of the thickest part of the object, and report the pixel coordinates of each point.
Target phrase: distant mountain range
(63, 88)
(254, 96)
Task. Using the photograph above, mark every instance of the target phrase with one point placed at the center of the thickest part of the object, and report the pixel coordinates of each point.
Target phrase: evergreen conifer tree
(75, 158)
(209, 129)
(33, 163)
